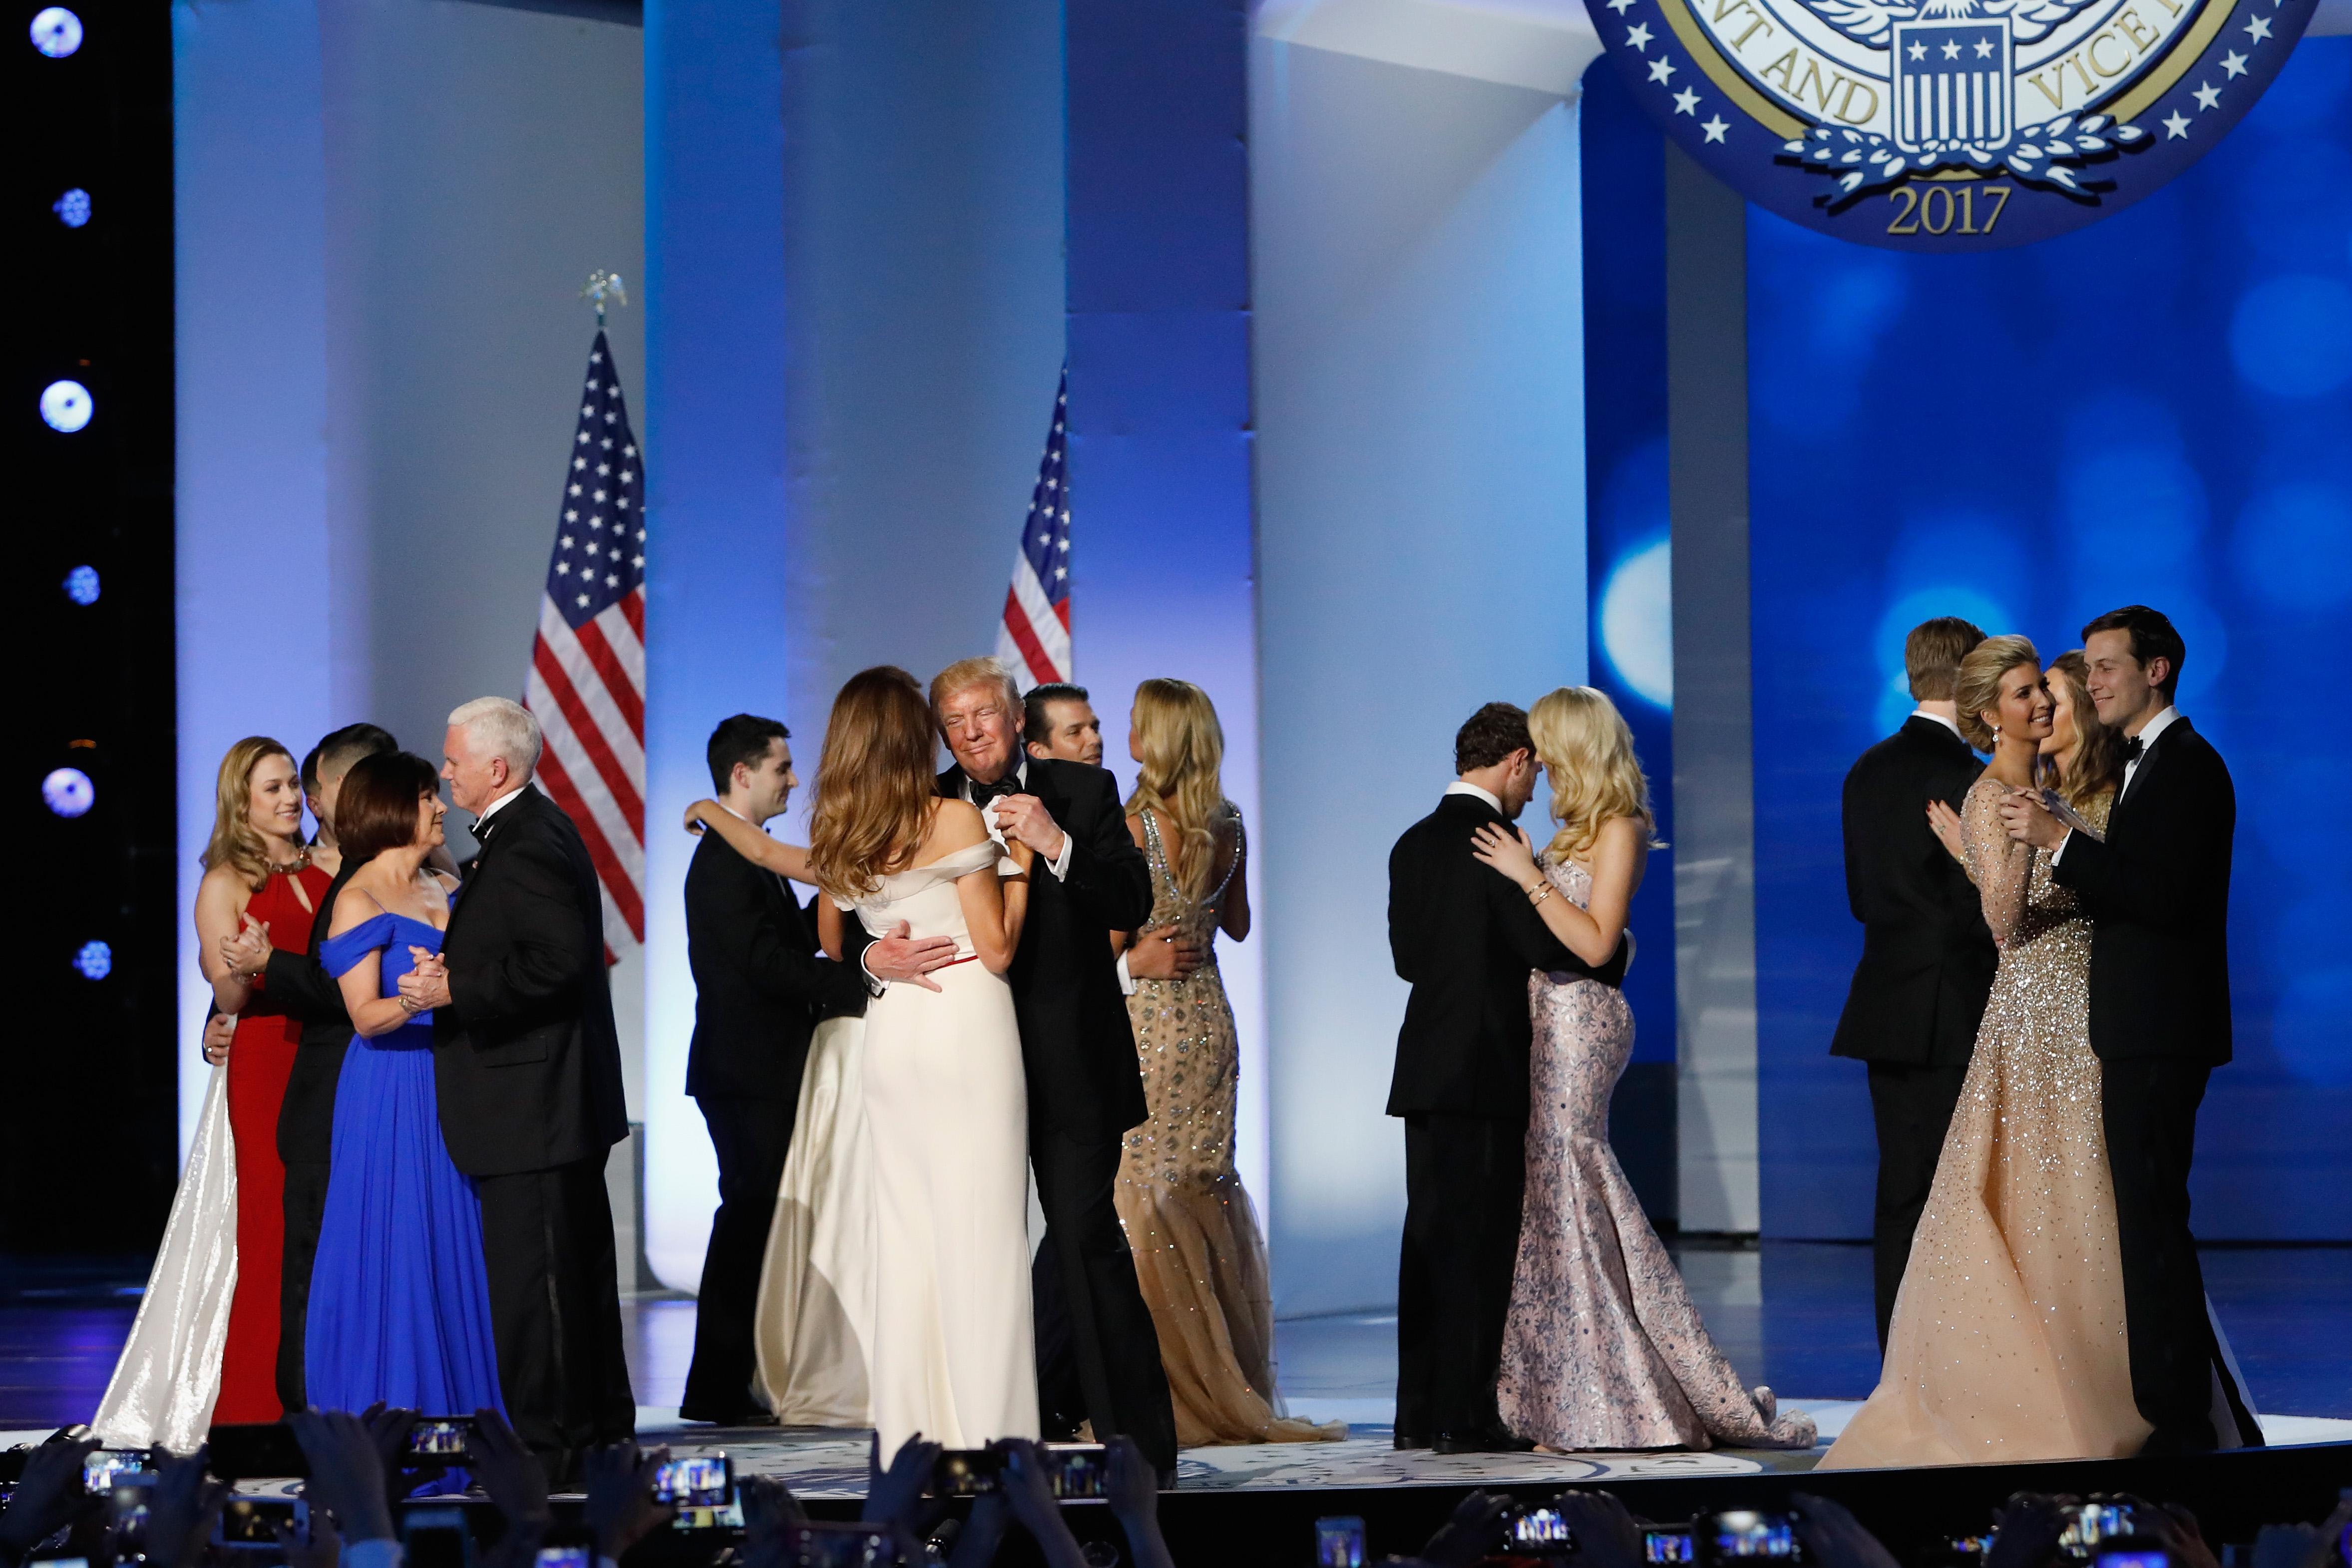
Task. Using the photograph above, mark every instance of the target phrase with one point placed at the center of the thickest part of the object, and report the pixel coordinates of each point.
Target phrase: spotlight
(65, 405)
(81, 585)
(95, 961)
(69, 791)
(72, 208)
(56, 32)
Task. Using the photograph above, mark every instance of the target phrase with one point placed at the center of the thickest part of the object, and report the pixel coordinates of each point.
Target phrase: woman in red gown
(257, 871)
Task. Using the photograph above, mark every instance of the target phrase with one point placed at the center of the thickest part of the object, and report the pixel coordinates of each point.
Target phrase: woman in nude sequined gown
(1603, 1348)
(1198, 1253)
(2008, 1338)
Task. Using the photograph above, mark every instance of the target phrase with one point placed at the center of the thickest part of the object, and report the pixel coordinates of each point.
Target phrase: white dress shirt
(1462, 786)
(496, 806)
(2148, 735)
(1938, 719)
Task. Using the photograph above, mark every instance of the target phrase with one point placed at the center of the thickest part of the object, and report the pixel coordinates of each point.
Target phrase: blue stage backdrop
(2153, 409)
(1629, 577)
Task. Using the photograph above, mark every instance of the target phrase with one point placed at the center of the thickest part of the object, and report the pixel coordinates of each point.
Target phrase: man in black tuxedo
(759, 986)
(1928, 959)
(297, 983)
(2158, 891)
(1097, 1353)
(528, 1072)
(1465, 940)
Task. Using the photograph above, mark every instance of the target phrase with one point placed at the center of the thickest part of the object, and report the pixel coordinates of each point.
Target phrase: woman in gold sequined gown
(1198, 1253)
(2008, 1338)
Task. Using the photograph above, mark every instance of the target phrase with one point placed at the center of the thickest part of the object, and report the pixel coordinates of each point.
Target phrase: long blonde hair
(1584, 743)
(236, 843)
(1180, 747)
(874, 785)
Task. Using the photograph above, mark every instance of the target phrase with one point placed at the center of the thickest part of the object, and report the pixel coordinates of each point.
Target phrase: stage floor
(1795, 1315)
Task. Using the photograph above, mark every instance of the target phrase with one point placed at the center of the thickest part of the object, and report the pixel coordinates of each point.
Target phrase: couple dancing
(1535, 1307)
(459, 1046)
(2051, 1305)
(996, 1041)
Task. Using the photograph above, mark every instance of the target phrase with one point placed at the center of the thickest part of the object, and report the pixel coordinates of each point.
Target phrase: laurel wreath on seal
(1862, 159)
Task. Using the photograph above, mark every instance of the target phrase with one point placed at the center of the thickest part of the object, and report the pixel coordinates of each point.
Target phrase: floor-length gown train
(1198, 1253)
(815, 1318)
(2008, 1338)
(1603, 1348)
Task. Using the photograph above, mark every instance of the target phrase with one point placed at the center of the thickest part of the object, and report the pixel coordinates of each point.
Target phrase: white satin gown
(946, 1128)
(815, 1312)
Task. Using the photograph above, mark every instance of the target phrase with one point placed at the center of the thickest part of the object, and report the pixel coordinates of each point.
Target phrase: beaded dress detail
(1198, 1253)
(2008, 1338)
(1603, 1348)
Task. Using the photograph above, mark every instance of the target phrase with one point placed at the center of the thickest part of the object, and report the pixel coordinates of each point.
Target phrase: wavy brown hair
(235, 843)
(875, 782)
(2099, 748)
(1180, 750)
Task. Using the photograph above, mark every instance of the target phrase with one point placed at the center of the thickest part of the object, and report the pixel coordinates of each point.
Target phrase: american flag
(1035, 643)
(587, 681)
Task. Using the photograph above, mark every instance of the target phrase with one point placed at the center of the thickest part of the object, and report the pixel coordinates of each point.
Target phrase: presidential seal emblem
(1948, 124)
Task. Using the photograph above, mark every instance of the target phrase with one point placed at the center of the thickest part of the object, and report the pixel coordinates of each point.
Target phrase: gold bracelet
(1541, 893)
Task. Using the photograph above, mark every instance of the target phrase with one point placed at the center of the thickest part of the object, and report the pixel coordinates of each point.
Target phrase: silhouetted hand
(620, 1506)
(347, 1475)
(769, 1512)
(1131, 1487)
(2026, 1531)
(1835, 1538)
(2172, 1526)
(1030, 1496)
(323, 1550)
(181, 1508)
(1471, 1534)
(1605, 1534)
(894, 1497)
(512, 1477)
(49, 1494)
(2300, 1545)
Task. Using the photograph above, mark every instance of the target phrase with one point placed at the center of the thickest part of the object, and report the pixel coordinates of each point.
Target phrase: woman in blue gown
(400, 1302)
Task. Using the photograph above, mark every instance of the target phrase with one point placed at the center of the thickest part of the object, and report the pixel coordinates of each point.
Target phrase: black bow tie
(981, 793)
(2133, 748)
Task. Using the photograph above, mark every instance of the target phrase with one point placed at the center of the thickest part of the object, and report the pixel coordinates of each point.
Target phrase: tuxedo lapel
(2149, 758)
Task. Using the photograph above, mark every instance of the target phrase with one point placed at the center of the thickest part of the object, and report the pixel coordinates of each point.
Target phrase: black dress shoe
(1485, 1440)
(1411, 1440)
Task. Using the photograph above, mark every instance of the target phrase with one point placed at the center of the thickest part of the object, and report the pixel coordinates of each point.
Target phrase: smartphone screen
(254, 1521)
(1078, 1472)
(965, 1472)
(444, 1437)
(1668, 1547)
(1340, 1542)
(1744, 1533)
(567, 1557)
(698, 1481)
(1542, 1529)
(104, 1465)
(2134, 1560)
(2091, 1523)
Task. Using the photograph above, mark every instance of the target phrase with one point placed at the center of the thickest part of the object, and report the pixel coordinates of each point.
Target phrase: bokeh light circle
(72, 208)
(69, 791)
(1637, 621)
(56, 32)
(94, 961)
(2291, 336)
(2294, 546)
(65, 405)
(81, 585)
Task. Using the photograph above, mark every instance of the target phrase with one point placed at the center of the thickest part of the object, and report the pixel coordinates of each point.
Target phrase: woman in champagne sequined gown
(1198, 1253)
(2008, 1340)
(1603, 1348)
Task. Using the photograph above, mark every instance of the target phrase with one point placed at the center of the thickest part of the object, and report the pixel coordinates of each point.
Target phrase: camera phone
(698, 1481)
(1340, 1542)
